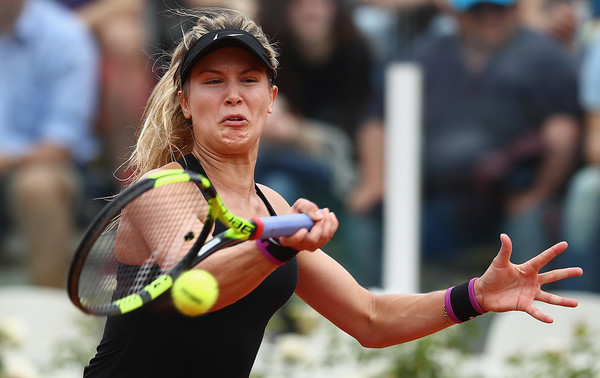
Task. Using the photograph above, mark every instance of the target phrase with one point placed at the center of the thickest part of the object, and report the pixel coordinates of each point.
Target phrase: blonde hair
(164, 134)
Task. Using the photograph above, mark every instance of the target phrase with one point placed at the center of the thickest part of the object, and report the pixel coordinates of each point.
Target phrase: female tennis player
(206, 114)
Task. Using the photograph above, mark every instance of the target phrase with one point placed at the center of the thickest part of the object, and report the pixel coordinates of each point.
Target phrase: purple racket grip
(281, 225)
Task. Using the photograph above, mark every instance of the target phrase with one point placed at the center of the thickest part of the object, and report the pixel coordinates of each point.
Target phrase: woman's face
(228, 100)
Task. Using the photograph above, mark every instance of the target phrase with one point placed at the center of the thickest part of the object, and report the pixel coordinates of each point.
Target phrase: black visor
(217, 39)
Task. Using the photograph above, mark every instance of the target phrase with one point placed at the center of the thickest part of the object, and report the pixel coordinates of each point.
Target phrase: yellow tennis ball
(195, 292)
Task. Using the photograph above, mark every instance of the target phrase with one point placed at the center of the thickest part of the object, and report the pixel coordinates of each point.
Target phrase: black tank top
(224, 343)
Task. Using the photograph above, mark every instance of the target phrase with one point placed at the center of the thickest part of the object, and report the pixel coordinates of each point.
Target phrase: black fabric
(461, 303)
(278, 251)
(156, 341)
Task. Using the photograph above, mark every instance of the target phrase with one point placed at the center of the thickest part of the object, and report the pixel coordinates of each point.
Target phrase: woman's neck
(229, 175)
(236, 188)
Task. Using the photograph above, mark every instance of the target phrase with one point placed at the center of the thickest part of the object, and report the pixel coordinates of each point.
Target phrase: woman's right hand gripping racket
(153, 232)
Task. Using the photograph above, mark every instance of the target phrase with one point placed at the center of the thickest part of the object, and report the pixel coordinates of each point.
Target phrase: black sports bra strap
(265, 200)
(189, 162)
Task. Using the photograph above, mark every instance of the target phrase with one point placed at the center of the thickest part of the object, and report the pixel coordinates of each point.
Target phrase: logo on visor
(228, 35)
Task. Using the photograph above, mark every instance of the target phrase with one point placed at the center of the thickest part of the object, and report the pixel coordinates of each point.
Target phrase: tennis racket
(151, 233)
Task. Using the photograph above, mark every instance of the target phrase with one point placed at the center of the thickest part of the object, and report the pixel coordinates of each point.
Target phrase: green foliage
(71, 352)
(77, 351)
(301, 343)
(575, 359)
(10, 337)
(2, 346)
(305, 343)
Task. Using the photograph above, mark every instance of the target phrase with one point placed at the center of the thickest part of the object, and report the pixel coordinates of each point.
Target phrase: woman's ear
(185, 108)
(272, 95)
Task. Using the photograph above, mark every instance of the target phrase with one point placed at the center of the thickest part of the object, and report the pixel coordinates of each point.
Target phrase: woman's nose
(233, 96)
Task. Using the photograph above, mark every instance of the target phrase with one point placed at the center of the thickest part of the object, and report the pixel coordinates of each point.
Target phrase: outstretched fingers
(556, 300)
(539, 315)
(559, 274)
(539, 261)
(552, 299)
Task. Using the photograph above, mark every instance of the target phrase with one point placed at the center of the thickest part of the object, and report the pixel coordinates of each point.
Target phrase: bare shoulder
(275, 199)
(172, 165)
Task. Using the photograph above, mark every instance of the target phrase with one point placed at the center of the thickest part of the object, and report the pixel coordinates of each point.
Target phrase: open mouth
(234, 118)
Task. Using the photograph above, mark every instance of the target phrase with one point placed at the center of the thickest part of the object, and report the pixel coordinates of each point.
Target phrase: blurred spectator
(126, 79)
(560, 19)
(47, 106)
(325, 74)
(325, 63)
(589, 29)
(393, 25)
(303, 156)
(500, 133)
(582, 204)
(557, 18)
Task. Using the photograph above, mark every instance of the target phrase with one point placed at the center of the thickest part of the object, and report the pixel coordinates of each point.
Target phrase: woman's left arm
(384, 320)
(373, 320)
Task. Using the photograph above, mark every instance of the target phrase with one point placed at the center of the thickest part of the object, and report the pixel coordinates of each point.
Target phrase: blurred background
(494, 127)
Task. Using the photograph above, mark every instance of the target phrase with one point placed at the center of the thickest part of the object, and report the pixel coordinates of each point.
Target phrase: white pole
(401, 230)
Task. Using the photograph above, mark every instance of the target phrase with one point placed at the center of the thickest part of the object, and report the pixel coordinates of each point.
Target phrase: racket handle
(281, 225)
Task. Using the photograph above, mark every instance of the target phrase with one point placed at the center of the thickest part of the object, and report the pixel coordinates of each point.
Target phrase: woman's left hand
(507, 287)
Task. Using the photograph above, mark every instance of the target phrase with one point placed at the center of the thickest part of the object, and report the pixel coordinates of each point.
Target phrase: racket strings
(147, 238)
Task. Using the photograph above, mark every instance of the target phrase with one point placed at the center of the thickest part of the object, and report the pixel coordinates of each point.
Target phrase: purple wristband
(448, 306)
(262, 247)
(461, 303)
(473, 298)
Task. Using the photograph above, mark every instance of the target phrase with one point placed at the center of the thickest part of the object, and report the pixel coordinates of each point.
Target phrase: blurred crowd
(510, 120)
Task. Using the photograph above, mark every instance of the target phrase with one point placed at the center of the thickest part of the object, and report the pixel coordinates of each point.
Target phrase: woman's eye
(213, 81)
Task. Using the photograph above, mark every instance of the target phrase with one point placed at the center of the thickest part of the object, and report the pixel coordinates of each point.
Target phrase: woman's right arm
(241, 268)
